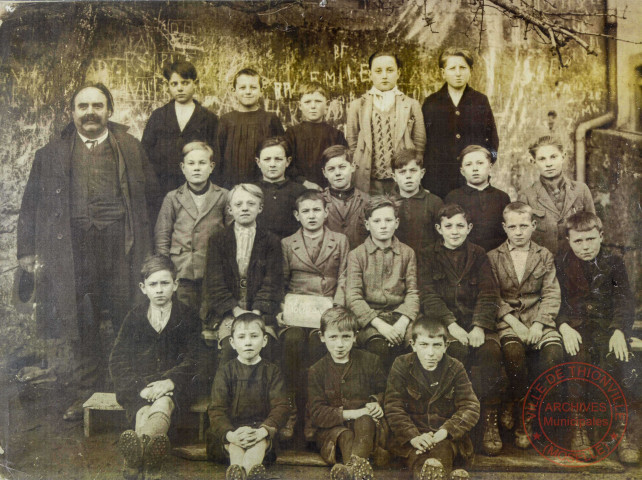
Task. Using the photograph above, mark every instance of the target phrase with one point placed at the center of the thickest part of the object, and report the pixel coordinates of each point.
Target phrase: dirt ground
(38, 444)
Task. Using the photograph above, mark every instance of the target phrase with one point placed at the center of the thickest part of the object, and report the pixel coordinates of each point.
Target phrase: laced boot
(155, 449)
(432, 469)
(523, 431)
(131, 449)
(459, 474)
(507, 418)
(235, 472)
(581, 447)
(361, 468)
(627, 451)
(491, 441)
(341, 472)
(257, 472)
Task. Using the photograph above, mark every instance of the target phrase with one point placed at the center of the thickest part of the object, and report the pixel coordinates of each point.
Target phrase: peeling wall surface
(47, 50)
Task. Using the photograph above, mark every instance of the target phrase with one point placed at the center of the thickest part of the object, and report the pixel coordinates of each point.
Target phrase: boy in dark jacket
(280, 193)
(181, 121)
(457, 288)
(483, 202)
(345, 392)
(151, 365)
(430, 405)
(418, 207)
(595, 321)
(243, 272)
(249, 404)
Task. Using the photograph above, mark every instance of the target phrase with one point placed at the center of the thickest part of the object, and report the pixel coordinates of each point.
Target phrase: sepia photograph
(321, 239)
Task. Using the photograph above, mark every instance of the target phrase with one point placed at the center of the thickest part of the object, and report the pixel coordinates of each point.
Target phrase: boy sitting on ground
(430, 406)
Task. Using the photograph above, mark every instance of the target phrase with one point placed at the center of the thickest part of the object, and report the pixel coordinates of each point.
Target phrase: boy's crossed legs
(147, 445)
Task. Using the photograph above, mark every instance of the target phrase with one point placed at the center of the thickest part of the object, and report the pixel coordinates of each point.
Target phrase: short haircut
(455, 52)
(313, 87)
(517, 207)
(274, 142)
(250, 188)
(156, 263)
(250, 72)
(99, 86)
(545, 141)
(381, 201)
(428, 327)
(403, 157)
(473, 149)
(248, 319)
(310, 194)
(384, 53)
(583, 222)
(335, 151)
(183, 68)
(450, 210)
(198, 145)
(341, 318)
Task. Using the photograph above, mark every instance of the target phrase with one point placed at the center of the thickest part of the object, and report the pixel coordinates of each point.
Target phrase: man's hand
(27, 263)
(535, 333)
(388, 331)
(617, 344)
(158, 389)
(459, 333)
(374, 410)
(279, 320)
(518, 327)
(476, 337)
(571, 339)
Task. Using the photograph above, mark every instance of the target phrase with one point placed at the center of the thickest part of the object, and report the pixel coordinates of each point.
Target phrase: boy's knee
(165, 405)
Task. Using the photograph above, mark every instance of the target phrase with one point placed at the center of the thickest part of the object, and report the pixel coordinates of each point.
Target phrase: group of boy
(435, 308)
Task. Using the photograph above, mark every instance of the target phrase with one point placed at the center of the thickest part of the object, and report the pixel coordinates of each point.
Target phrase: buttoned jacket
(537, 297)
(409, 132)
(183, 231)
(550, 232)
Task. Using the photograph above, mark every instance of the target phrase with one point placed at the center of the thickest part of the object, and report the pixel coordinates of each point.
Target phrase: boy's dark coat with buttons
(363, 382)
(470, 299)
(141, 355)
(412, 407)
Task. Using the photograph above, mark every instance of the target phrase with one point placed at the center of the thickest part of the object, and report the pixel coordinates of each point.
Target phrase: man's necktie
(91, 144)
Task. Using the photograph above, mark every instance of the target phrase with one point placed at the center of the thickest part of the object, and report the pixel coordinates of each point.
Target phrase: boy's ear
(288, 160)
(470, 227)
(296, 215)
(423, 172)
(438, 228)
(141, 285)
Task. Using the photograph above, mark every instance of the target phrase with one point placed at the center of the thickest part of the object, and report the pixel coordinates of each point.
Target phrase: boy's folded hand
(388, 331)
(374, 410)
(571, 339)
(535, 333)
(476, 337)
(159, 388)
(459, 333)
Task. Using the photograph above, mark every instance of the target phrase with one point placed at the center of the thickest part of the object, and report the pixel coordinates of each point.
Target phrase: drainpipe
(610, 28)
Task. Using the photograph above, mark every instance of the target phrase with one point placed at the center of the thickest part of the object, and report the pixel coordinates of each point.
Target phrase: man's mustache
(91, 117)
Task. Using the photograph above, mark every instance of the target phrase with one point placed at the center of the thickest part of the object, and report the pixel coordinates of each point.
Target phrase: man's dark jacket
(44, 224)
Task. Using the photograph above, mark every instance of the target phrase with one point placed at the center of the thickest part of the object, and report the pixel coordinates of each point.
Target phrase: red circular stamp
(573, 396)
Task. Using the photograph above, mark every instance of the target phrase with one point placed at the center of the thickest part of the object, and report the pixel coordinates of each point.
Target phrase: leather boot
(491, 441)
(581, 447)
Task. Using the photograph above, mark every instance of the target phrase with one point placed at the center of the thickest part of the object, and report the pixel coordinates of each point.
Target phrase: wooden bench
(105, 405)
